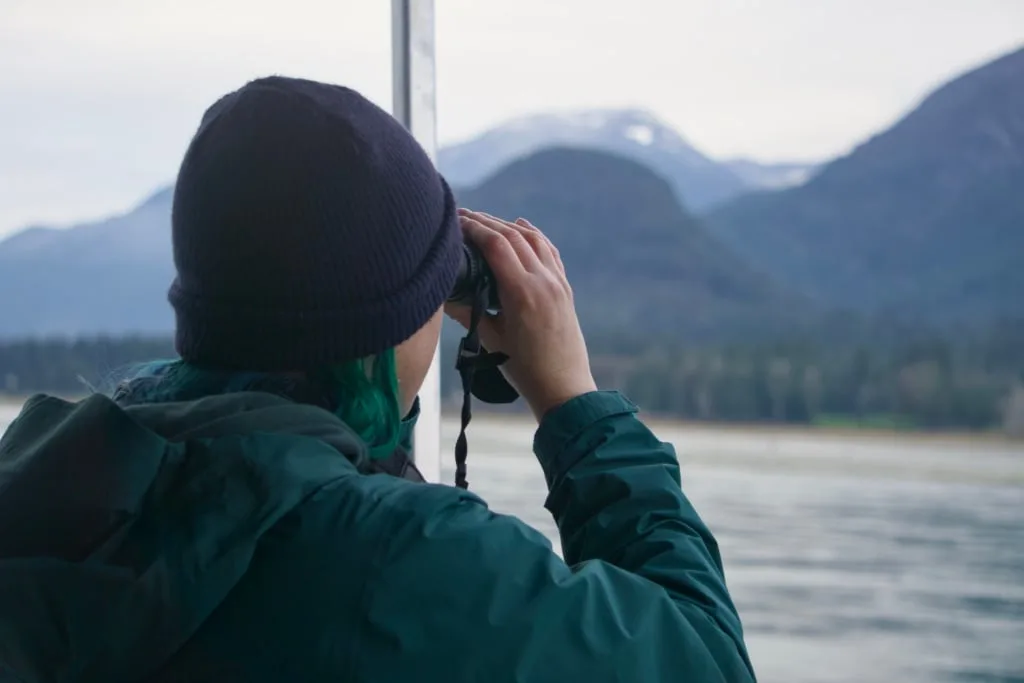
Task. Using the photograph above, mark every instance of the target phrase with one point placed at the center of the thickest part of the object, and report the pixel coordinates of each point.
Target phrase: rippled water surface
(850, 559)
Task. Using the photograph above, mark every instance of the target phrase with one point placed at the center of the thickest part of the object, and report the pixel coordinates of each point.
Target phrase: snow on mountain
(698, 180)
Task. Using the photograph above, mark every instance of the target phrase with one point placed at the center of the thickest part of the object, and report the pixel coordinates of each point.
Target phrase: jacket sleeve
(640, 597)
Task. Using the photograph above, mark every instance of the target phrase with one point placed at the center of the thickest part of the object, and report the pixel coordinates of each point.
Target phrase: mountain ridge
(699, 181)
(927, 206)
(924, 220)
(111, 276)
(638, 259)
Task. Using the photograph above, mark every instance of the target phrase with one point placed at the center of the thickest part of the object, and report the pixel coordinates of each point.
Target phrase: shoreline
(748, 428)
(783, 429)
(865, 432)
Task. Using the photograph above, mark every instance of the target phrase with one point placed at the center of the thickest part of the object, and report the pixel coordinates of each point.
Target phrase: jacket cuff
(565, 424)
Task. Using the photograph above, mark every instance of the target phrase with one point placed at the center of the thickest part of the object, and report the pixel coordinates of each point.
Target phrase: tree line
(963, 381)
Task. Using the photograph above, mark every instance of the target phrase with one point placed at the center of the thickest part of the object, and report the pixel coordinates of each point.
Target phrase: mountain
(700, 182)
(110, 276)
(637, 259)
(926, 217)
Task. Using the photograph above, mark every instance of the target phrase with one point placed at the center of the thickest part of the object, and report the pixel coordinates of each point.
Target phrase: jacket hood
(122, 529)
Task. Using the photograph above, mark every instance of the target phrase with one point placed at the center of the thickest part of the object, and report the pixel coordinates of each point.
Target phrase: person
(249, 511)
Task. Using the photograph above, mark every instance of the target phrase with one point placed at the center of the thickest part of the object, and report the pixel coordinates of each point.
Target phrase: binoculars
(474, 287)
(474, 274)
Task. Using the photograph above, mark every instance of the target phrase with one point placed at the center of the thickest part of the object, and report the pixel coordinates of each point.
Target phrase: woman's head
(311, 233)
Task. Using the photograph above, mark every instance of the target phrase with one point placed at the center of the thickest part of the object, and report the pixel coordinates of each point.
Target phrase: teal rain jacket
(238, 538)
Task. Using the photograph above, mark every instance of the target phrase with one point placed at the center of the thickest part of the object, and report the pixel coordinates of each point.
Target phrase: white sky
(99, 97)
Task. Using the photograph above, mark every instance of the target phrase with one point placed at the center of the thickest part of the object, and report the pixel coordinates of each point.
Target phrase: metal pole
(413, 90)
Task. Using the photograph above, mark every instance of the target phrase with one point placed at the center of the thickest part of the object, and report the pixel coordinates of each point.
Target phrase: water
(852, 559)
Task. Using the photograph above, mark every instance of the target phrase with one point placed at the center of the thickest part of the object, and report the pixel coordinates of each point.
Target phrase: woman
(235, 515)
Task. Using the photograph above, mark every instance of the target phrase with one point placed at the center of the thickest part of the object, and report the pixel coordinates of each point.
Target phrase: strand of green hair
(367, 399)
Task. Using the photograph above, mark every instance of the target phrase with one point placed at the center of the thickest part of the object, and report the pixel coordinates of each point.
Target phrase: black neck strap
(471, 359)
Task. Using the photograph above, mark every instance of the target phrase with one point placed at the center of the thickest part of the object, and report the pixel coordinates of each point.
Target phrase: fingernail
(463, 212)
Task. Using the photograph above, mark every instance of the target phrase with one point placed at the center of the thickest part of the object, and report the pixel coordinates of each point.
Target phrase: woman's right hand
(537, 328)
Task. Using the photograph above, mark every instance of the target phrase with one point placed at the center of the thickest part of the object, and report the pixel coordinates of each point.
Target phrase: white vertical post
(413, 87)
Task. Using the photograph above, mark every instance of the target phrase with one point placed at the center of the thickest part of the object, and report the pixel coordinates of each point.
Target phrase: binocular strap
(472, 357)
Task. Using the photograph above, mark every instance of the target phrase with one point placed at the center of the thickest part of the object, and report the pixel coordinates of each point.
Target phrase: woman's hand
(537, 328)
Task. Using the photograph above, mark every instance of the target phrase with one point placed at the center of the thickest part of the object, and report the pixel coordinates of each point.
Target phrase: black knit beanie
(309, 228)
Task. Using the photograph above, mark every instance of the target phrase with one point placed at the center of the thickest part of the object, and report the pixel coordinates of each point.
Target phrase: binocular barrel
(474, 273)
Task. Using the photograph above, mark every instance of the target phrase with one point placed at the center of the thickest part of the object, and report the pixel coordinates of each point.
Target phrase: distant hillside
(109, 276)
(700, 182)
(636, 258)
(925, 217)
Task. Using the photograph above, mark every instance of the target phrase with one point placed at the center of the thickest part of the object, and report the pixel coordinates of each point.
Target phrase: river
(852, 559)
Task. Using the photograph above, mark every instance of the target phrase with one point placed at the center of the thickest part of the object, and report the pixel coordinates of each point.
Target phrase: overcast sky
(99, 97)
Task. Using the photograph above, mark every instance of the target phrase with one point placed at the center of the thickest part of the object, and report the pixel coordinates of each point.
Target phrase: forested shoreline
(923, 383)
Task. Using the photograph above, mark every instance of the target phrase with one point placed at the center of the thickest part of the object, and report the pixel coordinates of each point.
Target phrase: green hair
(365, 396)
(363, 393)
